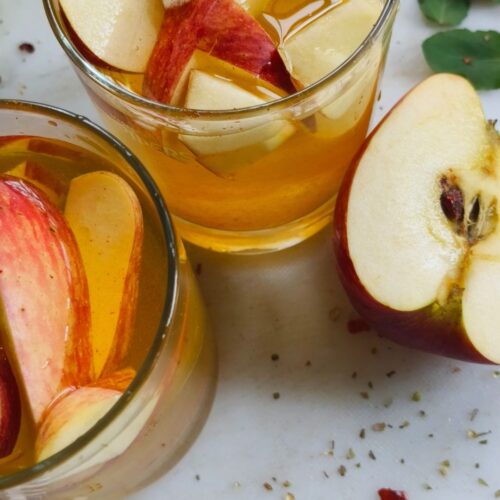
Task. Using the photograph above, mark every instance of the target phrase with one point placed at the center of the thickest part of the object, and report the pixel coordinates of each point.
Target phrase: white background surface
(283, 304)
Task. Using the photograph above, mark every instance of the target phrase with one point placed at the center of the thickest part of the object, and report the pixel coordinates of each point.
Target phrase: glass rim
(123, 93)
(168, 311)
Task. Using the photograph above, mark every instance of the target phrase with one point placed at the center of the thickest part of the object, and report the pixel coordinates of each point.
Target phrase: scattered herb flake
(497, 494)
(390, 374)
(342, 470)
(484, 441)
(482, 482)
(473, 414)
(427, 487)
(350, 454)
(362, 433)
(197, 477)
(416, 397)
(276, 395)
(275, 357)
(290, 496)
(267, 487)
(354, 375)
(496, 373)
(287, 484)
(370, 384)
(422, 414)
(364, 395)
(404, 425)
(372, 455)
(379, 427)
(388, 402)
(326, 474)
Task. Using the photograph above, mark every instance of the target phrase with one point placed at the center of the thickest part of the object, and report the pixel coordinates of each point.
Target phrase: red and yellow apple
(219, 27)
(417, 238)
(44, 304)
(105, 216)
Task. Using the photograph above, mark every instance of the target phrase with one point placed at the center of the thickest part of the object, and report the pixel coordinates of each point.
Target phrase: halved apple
(44, 305)
(225, 150)
(10, 407)
(121, 33)
(42, 179)
(417, 238)
(219, 27)
(106, 218)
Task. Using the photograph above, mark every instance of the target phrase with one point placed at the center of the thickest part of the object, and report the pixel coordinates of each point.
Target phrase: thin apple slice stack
(10, 407)
(223, 152)
(76, 411)
(44, 306)
(219, 27)
(106, 219)
(121, 33)
(417, 237)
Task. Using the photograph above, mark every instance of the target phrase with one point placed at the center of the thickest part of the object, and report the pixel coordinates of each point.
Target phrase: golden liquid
(261, 189)
(64, 162)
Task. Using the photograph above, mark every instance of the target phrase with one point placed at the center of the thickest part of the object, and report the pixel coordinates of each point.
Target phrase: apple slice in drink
(42, 179)
(323, 43)
(121, 33)
(106, 218)
(10, 407)
(417, 237)
(221, 28)
(44, 306)
(225, 150)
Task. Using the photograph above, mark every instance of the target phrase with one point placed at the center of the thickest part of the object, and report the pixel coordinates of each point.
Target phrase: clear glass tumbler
(152, 425)
(247, 180)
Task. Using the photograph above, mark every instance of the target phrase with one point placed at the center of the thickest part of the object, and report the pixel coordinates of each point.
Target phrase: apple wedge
(417, 238)
(121, 33)
(10, 407)
(223, 152)
(44, 306)
(42, 179)
(71, 416)
(106, 218)
(219, 27)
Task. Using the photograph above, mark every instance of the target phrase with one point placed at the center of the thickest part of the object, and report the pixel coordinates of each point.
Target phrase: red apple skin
(223, 29)
(44, 295)
(10, 407)
(435, 331)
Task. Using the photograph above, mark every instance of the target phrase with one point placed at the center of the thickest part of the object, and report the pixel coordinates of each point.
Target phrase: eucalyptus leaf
(445, 12)
(472, 54)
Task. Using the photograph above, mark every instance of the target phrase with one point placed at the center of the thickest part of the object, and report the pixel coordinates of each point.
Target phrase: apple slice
(42, 179)
(44, 306)
(121, 33)
(221, 28)
(10, 407)
(211, 92)
(416, 234)
(106, 218)
(71, 416)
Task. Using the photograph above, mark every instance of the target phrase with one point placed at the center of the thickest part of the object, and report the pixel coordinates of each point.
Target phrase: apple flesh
(223, 152)
(10, 407)
(219, 27)
(121, 33)
(72, 415)
(416, 234)
(44, 305)
(106, 219)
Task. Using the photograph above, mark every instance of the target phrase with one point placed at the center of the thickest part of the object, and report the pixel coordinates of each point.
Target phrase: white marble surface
(283, 304)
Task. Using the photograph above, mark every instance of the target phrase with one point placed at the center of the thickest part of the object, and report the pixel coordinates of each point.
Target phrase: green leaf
(445, 12)
(472, 54)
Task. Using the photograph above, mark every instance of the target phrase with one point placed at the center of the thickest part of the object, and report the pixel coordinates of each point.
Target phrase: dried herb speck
(276, 395)
(342, 470)
(286, 484)
(497, 494)
(390, 374)
(404, 425)
(379, 427)
(290, 496)
(197, 477)
(267, 487)
(364, 395)
(427, 487)
(362, 433)
(326, 474)
(372, 455)
(388, 402)
(416, 397)
(350, 454)
(275, 357)
(482, 482)
(473, 414)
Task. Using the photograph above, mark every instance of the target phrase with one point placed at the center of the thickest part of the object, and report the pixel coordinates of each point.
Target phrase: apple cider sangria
(246, 112)
(106, 360)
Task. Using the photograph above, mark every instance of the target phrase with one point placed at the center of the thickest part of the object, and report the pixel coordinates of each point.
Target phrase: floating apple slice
(71, 416)
(416, 225)
(106, 218)
(44, 307)
(211, 92)
(10, 407)
(219, 27)
(42, 179)
(121, 33)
